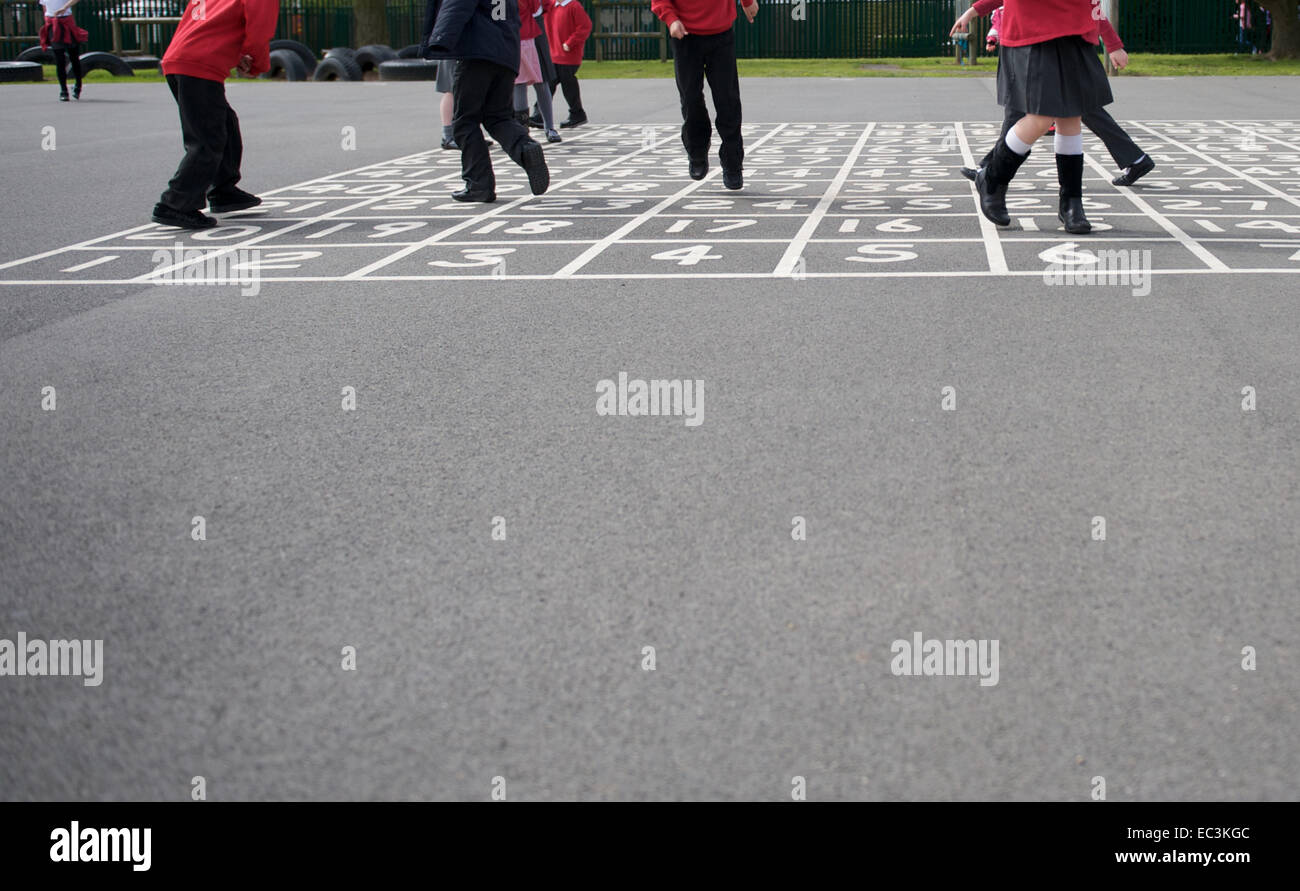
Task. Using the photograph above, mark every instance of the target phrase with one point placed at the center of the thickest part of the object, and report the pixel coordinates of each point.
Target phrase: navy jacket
(467, 29)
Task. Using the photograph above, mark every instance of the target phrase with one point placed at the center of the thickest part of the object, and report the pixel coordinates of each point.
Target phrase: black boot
(521, 117)
(992, 180)
(1069, 173)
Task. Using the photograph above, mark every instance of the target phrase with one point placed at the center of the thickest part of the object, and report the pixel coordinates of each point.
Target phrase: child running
(1047, 68)
(213, 37)
(704, 46)
(61, 35)
(482, 36)
(1131, 160)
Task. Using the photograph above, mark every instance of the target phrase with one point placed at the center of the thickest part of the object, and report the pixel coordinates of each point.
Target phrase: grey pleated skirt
(1062, 78)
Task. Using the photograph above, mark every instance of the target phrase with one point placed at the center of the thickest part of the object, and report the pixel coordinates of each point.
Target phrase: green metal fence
(785, 29)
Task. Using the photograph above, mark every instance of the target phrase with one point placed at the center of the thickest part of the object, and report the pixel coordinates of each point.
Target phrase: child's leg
(61, 69)
(688, 66)
(572, 92)
(473, 79)
(445, 106)
(543, 94)
(203, 125)
(1069, 173)
(1120, 145)
(227, 175)
(724, 84)
(74, 54)
(1031, 128)
(521, 97)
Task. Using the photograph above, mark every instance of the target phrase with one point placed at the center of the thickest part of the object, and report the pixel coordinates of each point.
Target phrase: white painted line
(992, 242)
(1226, 167)
(794, 252)
(1163, 222)
(595, 250)
(90, 264)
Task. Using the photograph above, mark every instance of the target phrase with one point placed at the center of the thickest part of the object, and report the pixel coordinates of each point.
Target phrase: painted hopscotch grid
(822, 200)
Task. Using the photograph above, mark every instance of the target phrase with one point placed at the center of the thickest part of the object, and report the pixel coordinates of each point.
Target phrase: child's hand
(963, 23)
(750, 11)
(677, 29)
(245, 65)
(1119, 59)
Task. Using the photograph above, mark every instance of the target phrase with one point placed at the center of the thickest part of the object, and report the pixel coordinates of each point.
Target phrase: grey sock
(446, 131)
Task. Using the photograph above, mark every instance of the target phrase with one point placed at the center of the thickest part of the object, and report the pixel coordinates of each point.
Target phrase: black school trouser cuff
(214, 147)
(484, 96)
(712, 57)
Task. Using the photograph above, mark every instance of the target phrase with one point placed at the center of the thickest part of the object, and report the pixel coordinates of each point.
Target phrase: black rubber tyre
(15, 72)
(337, 68)
(409, 69)
(409, 52)
(98, 61)
(143, 63)
(372, 56)
(36, 54)
(286, 65)
(340, 51)
(301, 50)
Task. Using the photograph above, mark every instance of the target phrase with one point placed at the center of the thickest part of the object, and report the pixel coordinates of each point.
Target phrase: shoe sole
(488, 200)
(534, 164)
(232, 208)
(180, 225)
(736, 187)
(1125, 180)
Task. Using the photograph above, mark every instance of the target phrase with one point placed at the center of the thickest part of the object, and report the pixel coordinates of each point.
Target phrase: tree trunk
(1286, 29)
(372, 21)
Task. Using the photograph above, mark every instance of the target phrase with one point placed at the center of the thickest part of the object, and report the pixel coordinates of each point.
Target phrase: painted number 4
(689, 256)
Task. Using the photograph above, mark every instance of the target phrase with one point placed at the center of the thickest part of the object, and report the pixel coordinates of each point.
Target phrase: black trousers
(63, 54)
(484, 96)
(1120, 145)
(712, 56)
(568, 75)
(213, 145)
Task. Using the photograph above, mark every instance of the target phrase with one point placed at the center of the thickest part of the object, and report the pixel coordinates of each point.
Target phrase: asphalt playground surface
(825, 308)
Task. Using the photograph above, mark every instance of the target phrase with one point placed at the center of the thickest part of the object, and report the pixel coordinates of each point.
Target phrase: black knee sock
(61, 69)
(1069, 173)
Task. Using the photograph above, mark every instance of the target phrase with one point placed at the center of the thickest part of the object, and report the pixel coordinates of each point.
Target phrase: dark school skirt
(1062, 78)
(549, 74)
(443, 79)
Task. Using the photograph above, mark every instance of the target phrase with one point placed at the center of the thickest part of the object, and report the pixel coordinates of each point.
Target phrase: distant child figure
(530, 70)
(213, 37)
(550, 77)
(1245, 26)
(567, 28)
(704, 46)
(61, 35)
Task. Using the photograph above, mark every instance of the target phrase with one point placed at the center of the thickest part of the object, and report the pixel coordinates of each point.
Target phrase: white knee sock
(1069, 145)
(1016, 144)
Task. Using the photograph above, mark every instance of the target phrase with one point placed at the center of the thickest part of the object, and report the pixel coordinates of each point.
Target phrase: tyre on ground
(337, 68)
(36, 54)
(409, 52)
(143, 63)
(301, 50)
(100, 61)
(286, 65)
(372, 56)
(15, 72)
(409, 69)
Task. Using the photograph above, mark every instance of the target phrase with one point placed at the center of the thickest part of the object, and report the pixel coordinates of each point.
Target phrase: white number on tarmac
(279, 260)
(883, 253)
(476, 257)
(688, 256)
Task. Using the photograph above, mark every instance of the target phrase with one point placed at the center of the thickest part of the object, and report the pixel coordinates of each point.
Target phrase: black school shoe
(76, 92)
(183, 219)
(571, 121)
(450, 144)
(970, 172)
(482, 196)
(733, 179)
(63, 96)
(991, 182)
(699, 167)
(534, 164)
(1143, 166)
(231, 200)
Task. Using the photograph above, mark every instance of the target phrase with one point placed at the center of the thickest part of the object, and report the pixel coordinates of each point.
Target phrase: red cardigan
(567, 24)
(210, 46)
(528, 27)
(1025, 22)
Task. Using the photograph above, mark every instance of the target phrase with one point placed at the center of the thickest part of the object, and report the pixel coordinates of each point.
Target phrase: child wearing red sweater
(1047, 68)
(567, 28)
(704, 46)
(213, 37)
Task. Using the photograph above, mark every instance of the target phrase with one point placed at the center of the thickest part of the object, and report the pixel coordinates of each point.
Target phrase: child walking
(213, 37)
(482, 36)
(1047, 68)
(531, 72)
(64, 38)
(704, 46)
(567, 28)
